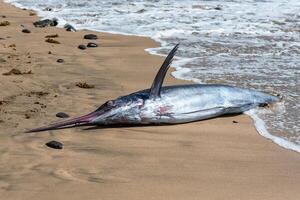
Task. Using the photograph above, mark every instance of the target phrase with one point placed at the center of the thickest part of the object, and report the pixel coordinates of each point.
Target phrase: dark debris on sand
(60, 60)
(16, 72)
(50, 40)
(90, 37)
(82, 47)
(25, 30)
(45, 22)
(51, 36)
(4, 23)
(55, 144)
(84, 85)
(92, 45)
(69, 27)
(62, 115)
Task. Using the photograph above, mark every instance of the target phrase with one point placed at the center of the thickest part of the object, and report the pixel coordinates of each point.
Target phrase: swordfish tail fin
(79, 121)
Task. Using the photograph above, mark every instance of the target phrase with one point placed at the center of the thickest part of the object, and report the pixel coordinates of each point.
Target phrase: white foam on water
(262, 130)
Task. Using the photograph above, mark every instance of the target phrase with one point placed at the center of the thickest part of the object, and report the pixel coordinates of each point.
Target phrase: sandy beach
(211, 159)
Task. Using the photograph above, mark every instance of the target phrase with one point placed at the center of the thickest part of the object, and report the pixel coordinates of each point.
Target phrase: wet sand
(211, 159)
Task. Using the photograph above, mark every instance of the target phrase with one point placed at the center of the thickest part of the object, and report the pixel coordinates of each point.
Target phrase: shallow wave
(251, 43)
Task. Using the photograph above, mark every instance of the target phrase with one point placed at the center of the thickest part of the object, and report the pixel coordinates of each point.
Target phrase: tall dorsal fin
(160, 76)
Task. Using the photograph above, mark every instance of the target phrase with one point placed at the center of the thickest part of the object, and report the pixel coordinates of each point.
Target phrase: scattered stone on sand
(69, 27)
(25, 30)
(54, 144)
(32, 14)
(2, 60)
(12, 45)
(60, 60)
(84, 85)
(39, 93)
(235, 122)
(90, 37)
(45, 22)
(27, 116)
(92, 45)
(16, 72)
(50, 40)
(62, 115)
(3, 16)
(2, 38)
(49, 52)
(51, 36)
(4, 23)
(82, 47)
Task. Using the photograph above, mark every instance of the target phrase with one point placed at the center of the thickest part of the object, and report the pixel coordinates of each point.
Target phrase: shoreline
(188, 161)
(178, 70)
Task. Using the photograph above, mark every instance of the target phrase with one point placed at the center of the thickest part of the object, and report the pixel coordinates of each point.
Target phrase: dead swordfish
(170, 104)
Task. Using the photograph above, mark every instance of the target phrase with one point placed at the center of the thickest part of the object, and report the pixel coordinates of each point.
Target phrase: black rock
(235, 122)
(69, 27)
(218, 8)
(25, 30)
(48, 9)
(91, 37)
(45, 22)
(82, 47)
(62, 115)
(91, 44)
(60, 60)
(54, 145)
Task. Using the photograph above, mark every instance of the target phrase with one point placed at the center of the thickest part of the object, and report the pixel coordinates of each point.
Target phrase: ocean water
(249, 43)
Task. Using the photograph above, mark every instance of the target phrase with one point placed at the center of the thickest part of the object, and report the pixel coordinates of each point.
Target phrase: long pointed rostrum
(83, 120)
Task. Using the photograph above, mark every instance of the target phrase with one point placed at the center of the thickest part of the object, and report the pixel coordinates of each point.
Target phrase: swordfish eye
(110, 103)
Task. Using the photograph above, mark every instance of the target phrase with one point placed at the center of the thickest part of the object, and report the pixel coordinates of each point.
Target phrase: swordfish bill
(170, 104)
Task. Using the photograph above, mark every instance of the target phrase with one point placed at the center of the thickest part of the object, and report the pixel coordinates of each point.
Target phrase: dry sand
(212, 159)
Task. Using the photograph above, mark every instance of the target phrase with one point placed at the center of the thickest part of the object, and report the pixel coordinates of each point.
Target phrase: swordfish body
(170, 104)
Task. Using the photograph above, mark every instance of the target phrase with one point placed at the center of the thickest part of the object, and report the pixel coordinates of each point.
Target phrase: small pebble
(82, 47)
(91, 37)
(69, 27)
(55, 145)
(62, 115)
(91, 44)
(60, 60)
(235, 122)
(25, 30)
(49, 52)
